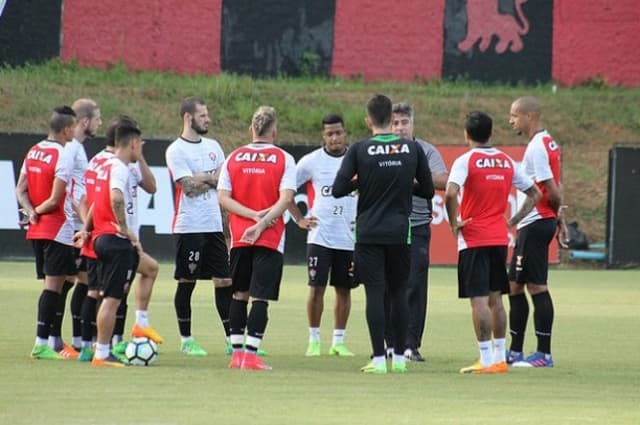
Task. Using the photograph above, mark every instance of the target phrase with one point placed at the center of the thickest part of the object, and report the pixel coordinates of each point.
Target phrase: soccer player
(140, 175)
(402, 124)
(486, 174)
(41, 192)
(383, 169)
(115, 241)
(89, 120)
(257, 184)
(530, 261)
(194, 162)
(330, 224)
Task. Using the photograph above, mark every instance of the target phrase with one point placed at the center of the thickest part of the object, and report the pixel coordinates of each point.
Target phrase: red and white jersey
(45, 162)
(76, 188)
(541, 162)
(90, 183)
(485, 176)
(113, 174)
(336, 216)
(255, 174)
(184, 159)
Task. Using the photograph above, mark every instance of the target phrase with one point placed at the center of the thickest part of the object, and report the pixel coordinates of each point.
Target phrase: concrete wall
(568, 41)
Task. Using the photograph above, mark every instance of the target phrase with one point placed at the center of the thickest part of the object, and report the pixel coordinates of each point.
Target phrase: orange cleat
(68, 352)
(140, 332)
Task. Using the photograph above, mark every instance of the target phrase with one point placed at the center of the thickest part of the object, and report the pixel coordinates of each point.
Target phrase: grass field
(596, 379)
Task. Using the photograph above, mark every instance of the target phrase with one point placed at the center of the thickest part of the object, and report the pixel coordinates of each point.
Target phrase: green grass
(596, 378)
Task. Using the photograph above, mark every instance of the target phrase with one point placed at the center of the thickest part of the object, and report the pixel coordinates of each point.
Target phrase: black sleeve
(424, 188)
(343, 184)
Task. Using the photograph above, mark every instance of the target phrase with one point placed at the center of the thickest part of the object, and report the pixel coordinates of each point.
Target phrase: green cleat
(191, 348)
(120, 347)
(399, 367)
(86, 355)
(313, 350)
(340, 350)
(261, 352)
(43, 352)
(374, 369)
(229, 349)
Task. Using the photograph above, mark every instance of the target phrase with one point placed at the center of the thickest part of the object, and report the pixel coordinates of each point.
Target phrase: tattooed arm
(199, 183)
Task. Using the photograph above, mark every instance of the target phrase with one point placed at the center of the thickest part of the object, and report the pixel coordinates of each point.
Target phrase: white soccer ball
(141, 351)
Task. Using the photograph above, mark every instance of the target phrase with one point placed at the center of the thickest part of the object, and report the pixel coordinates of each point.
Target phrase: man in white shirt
(330, 241)
(194, 162)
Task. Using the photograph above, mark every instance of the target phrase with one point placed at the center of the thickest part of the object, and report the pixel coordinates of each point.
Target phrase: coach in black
(384, 169)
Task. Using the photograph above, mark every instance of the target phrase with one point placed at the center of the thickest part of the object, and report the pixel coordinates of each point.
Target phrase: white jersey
(336, 216)
(131, 192)
(201, 213)
(75, 187)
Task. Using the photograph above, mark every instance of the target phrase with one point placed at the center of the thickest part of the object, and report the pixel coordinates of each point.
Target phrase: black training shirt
(385, 166)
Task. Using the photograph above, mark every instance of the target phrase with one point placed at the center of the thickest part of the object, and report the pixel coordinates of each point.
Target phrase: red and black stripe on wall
(568, 41)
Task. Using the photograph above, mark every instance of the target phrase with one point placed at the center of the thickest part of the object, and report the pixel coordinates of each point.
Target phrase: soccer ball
(141, 351)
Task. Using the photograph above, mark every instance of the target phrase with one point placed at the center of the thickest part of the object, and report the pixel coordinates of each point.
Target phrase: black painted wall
(498, 46)
(274, 37)
(29, 31)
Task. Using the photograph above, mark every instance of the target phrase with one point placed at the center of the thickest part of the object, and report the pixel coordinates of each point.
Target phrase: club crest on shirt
(212, 156)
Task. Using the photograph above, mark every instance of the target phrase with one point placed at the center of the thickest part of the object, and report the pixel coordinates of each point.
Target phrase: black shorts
(321, 260)
(530, 260)
(118, 261)
(80, 261)
(482, 270)
(201, 256)
(382, 264)
(258, 270)
(53, 258)
(93, 283)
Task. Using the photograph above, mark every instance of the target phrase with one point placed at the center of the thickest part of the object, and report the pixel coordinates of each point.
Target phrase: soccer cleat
(236, 360)
(191, 348)
(340, 350)
(86, 355)
(111, 361)
(478, 369)
(251, 361)
(68, 352)
(261, 352)
(370, 367)
(313, 350)
(398, 367)
(120, 347)
(389, 352)
(413, 355)
(43, 352)
(139, 332)
(536, 359)
(514, 357)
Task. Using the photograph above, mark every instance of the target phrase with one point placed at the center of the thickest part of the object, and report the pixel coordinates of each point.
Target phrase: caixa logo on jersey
(492, 163)
(388, 149)
(327, 191)
(257, 157)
